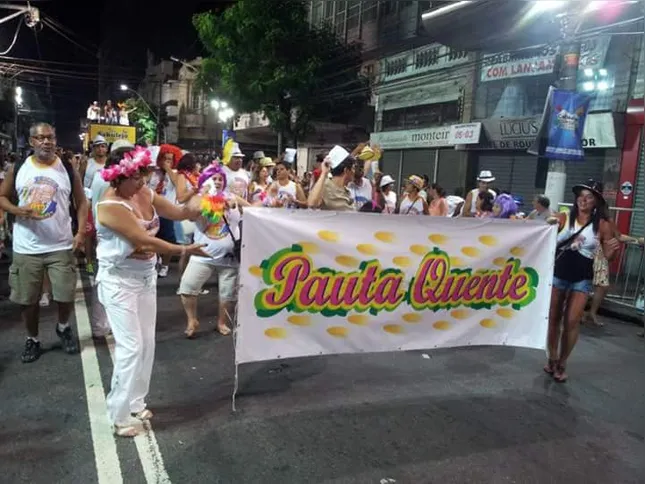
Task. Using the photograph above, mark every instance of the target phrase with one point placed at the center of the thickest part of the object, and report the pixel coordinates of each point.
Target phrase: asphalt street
(484, 415)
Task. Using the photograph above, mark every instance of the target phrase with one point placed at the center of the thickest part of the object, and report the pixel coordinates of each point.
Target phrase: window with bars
(353, 13)
(317, 12)
(414, 117)
(370, 10)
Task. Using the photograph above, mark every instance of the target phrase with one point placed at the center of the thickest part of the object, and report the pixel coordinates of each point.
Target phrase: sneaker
(31, 352)
(44, 300)
(67, 338)
(163, 271)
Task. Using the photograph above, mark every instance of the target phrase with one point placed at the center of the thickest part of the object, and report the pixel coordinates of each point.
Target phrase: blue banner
(226, 135)
(567, 115)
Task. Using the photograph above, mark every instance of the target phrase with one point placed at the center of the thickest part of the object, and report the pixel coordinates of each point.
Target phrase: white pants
(130, 302)
(98, 318)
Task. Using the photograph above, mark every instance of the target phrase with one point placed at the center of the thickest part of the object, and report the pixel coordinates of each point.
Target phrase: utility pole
(556, 179)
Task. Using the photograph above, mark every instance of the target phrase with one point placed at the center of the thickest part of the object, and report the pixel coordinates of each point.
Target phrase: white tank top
(411, 208)
(286, 191)
(473, 199)
(46, 190)
(586, 243)
(90, 171)
(113, 251)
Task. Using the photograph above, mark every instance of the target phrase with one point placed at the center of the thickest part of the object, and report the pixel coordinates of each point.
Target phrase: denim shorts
(585, 286)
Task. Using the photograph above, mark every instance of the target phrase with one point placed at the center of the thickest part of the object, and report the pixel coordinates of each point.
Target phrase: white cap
(386, 180)
(337, 155)
(237, 152)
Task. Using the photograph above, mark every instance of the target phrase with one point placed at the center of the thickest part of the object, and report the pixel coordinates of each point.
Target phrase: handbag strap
(228, 227)
(562, 245)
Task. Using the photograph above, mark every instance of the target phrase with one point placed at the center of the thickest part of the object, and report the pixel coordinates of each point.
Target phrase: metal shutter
(580, 172)
(391, 165)
(637, 228)
(451, 172)
(418, 162)
(514, 172)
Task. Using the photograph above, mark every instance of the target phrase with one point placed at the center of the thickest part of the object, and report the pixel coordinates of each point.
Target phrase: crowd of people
(131, 209)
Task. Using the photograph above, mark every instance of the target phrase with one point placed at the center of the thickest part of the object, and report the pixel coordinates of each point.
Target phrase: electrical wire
(15, 38)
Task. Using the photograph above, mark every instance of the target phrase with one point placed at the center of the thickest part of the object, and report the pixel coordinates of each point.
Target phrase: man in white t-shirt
(237, 178)
(38, 195)
(360, 188)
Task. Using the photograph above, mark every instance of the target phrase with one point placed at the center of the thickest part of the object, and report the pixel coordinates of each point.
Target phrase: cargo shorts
(27, 272)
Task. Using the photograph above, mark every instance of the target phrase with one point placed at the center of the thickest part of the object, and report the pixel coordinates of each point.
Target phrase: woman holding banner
(578, 240)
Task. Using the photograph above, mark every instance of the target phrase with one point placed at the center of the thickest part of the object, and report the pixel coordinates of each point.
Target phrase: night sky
(127, 27)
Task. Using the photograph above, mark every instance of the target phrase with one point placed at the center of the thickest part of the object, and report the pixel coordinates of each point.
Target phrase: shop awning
(503, 25)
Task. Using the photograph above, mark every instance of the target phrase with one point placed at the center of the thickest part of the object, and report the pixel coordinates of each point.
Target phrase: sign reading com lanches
(317, 283)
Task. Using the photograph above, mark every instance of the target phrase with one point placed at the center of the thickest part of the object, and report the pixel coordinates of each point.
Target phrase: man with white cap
(237, 179)
(331, 193)
(484, 180)
(97, 162)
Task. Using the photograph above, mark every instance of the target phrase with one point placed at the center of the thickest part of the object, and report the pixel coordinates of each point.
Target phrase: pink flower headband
(131, 163)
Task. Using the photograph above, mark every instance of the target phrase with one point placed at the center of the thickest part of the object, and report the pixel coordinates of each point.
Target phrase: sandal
(550, 367)
(144, 414)
(560, 376)
(223, 330)
(126, 431)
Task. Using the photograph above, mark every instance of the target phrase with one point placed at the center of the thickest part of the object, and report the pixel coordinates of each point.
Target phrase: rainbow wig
(174, 150)
(209, 172)
(507, 205)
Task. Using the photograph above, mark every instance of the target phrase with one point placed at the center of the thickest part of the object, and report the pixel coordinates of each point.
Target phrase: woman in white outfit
(127, 222)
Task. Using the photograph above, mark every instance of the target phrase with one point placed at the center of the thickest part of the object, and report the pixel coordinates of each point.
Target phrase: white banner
(321, 283)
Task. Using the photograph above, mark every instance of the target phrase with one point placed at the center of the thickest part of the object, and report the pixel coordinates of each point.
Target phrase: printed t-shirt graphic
(39, 194)
(237, 182)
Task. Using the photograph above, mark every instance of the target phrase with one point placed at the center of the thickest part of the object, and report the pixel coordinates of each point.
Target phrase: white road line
(148, 448)
(108, 466)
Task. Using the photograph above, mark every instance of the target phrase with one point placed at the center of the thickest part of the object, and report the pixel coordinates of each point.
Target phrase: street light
(222, 111)
(18, 95)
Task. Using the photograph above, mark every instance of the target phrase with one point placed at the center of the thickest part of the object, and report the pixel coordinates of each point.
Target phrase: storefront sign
(508, 65)
(323, 283)
(519, 133)
(458, 134)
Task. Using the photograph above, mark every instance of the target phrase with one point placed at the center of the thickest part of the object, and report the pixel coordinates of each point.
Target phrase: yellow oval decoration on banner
(488, 323)
(276, 333)
(419, 249)
(309, 247)
(488, 240)
(460, 313)
(347, 261)
(300, 320)
(441, 325)
(518, 251)
(255, 271)
(470, 251)
(505, 313)
(358, 319)
(387, 237)
(393, 329)
(457, 261)
(412, 317)
(402, 261)
(367, 249)
(499, 261)
(437, 239)
(338, 331)
(329, 236)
